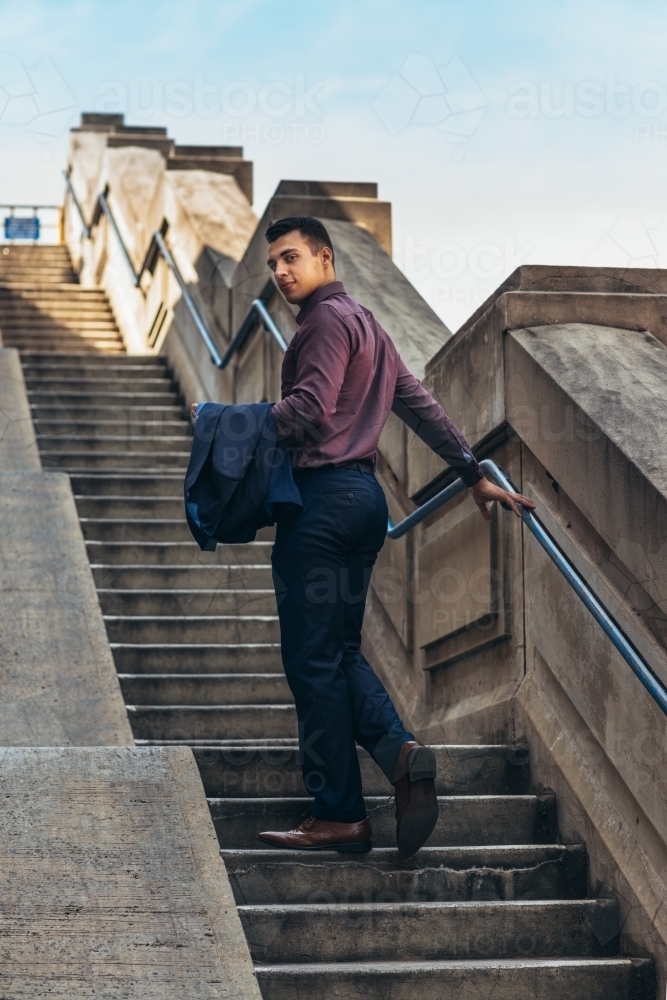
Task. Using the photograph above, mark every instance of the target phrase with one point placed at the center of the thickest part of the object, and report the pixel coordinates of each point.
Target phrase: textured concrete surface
(591, 404)
(111, 884)
(57, 676)
(627, 857)
(18, 447)
(217, 208)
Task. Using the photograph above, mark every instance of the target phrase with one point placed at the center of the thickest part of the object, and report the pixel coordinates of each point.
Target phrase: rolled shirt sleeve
(417, 408)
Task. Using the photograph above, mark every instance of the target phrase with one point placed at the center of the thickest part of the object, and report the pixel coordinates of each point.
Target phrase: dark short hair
(312, 230)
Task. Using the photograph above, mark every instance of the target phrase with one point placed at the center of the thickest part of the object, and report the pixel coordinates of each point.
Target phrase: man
(341, 376)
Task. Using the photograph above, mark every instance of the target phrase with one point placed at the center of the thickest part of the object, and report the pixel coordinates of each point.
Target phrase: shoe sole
(421, 813)
(362, 848)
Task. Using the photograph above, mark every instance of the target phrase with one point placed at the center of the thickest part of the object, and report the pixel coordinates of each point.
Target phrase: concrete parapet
(116, 886)
(591, 404)
(57, 675)
(18, 446)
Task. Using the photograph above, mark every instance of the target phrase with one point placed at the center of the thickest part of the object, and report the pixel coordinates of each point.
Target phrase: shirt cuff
(473, 473)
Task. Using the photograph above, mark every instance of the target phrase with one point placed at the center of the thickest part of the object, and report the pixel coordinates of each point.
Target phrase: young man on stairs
(341, 376)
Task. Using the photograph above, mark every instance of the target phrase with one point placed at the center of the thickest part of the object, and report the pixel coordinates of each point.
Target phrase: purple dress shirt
(341, 376)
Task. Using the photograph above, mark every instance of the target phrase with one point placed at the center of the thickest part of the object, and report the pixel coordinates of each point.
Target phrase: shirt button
(350, 496)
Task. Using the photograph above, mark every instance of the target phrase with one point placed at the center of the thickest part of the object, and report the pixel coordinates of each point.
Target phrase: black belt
(363, 465)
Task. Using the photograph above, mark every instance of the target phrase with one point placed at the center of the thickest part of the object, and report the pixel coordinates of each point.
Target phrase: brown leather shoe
(416, 800)
(323, 835)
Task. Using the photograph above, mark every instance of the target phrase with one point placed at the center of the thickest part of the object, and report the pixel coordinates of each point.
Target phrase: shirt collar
(319, 295)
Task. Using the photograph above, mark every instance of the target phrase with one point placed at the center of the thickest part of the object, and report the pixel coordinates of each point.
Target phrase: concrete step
(126, 400)
(162, 383)
(111, 347)
(191, 629)
(33, 290)
(60, 337)
(139, 529)
(73, 366)
(500, 979)
(111, 427)
(97, 345)
(38, 323)
(58, 305)
(105, 348)
(472, 820)
(105, 507)
(229, 744)
(204, 722)
(375, 932)
(23, 302)
(183, 578)
(28, 318)
(129, 416)
(81, 461)
(75, 441)
(461, 770)
(526, 871)
(177, 603)
(99, 363)
(197, 658)
(177, 553)
(205, 689)
(57, 273)
(138, 373)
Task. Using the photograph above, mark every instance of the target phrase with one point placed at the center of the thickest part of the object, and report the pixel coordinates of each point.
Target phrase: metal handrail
(72, 192)
(25, 208)
(605, 620)
(187, 298)
(257, 309)
(104, 207)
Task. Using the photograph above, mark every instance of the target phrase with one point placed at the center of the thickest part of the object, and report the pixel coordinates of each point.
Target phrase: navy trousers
(322, 561)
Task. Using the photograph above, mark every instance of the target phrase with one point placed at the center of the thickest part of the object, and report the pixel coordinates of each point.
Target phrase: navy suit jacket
(239, 478)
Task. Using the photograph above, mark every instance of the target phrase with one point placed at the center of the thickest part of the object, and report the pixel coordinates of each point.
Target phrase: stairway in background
(493, 907)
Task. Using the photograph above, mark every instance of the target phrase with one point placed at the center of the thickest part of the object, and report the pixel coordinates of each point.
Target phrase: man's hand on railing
(485, 491)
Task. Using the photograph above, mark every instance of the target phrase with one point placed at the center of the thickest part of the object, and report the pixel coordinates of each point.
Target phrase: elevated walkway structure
(545, 875)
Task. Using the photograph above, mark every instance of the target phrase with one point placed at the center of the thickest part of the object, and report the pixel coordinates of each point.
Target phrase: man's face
(298, 270)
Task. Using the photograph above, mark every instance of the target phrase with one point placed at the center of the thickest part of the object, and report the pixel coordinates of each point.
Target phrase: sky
(501, 133)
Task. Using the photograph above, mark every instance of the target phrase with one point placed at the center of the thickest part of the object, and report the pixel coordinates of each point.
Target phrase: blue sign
(21, 228)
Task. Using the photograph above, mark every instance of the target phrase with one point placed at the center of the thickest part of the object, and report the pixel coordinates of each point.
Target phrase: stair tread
(454, 963)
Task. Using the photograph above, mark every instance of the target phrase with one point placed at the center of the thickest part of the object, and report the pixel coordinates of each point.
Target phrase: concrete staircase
(494, 906)
(42, 307)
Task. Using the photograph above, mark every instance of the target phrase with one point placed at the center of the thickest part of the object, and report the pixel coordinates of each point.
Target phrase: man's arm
(320, 364)
(424, 415)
